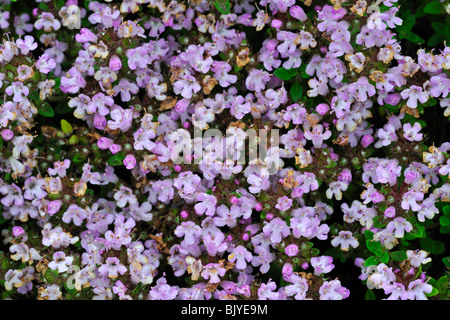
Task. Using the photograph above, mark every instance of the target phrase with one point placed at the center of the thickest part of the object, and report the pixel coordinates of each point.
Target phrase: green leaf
(446, 261)
(391, 108)
(414, 38)
(45, 109)
(434, 7)
(444, 220)
(384, 258)
(223, 6)
(374, 247)
(296, 91)
(433, 292)
(117, 159)
(408, 23)
(431, 102)
(79, 158)
(399, 255)
(285, 74)
(66, 127)
(445, 229)
(369, 295)
(371, 261)
(368, 234)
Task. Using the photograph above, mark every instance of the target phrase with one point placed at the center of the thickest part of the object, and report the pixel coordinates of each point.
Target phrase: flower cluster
(99, 95)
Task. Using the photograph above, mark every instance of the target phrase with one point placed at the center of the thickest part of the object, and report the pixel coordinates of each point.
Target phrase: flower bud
(234, 200)
(291, 250)
(7, 134)
(390, 212)
(184, 214)
(287, 270)
(114, 148)
(298, 13)
(129, 161)
(322, 109)
(17, 231)
(53, 206)
(410, 177)
(367, 140)
(104, 143)
(114, 63)
(99, 121)
(277, 24)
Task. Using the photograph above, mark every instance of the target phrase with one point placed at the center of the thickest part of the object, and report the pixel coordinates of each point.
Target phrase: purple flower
(207, 205)
(112, 268)
(60, 262)
(124, 196)
(414, 94)
(47, 22)
(129, 162)
(345, 240)
(322, 264)
(410, 198)
(333, 290)
(411, 133)
(190, 231)
(284, 203)
(186, 86)
(26, 44)
(59, 168)
(276, 229)
(297, 13)
(291, 250)
(227, 216)
(240, 256)
(257, 80)
(18, 90)
(72, 81)
(74, 213)
(298, 288)
(213, 271)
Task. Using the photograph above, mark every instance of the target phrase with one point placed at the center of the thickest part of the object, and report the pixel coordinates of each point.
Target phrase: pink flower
(129, 161)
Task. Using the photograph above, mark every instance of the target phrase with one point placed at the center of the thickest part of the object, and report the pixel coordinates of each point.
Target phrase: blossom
(112, 268)
(345, 240)
(240, 256)
(414, 94)
(322, 264)
(213, 271)
(60, 262)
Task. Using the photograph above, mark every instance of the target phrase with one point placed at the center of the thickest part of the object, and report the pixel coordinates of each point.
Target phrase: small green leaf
(368, 234)
(74, 140)
(296, 91)
(374, 247)
(66, 127)
(223, 6)
(371, 261)
(433, 292)
(384, 258)
(408, 23)
(285, 74)
(117, 159)
(370, 295)
(446, 261)
(434, 7)
(45, 109)
(398, 255)
(444, 220)
(414, 38)
(78, 158)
